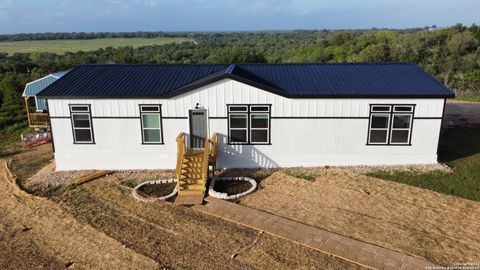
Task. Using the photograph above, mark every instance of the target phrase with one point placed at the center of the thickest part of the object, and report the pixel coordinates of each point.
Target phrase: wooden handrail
(38, 119)
(180, 154)
(213, 146)
(206, 154)
(212, 157)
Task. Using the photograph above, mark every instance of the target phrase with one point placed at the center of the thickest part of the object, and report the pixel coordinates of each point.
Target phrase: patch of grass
(459, 149)
(301, 173)
(54, 191)
(62, 46)
(10, 138)
(28, 162)
(259, 174)
(468, 98)
(130, 183)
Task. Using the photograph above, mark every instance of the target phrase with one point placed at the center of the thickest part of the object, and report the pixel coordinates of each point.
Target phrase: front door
(198, 127)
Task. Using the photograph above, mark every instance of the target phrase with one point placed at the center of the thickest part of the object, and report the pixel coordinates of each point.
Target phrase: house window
(81, 124)
(151, 121)
(249, 124)
(390, 124)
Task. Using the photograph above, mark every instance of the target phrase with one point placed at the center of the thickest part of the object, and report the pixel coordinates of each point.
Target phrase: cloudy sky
(222, 15)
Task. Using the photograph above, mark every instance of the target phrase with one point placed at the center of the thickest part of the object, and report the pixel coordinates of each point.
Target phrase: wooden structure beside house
(39, 118)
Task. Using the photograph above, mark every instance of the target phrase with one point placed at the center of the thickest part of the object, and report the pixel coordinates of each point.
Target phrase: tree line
(89, 35)
(451, 54)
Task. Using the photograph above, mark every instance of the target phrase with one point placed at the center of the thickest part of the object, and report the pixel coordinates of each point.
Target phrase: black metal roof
(315, 80)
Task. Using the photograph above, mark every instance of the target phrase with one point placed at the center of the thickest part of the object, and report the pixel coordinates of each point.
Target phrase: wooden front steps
(192, 170)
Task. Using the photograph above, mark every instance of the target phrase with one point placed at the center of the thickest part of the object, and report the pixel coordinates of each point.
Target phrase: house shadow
(459, 142)
(244, 160)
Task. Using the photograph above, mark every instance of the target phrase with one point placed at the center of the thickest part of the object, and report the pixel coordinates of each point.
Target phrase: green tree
(473, 79)
(237, 55)
(339, 38)
(462, 43)
(11, 110)
(375, 53)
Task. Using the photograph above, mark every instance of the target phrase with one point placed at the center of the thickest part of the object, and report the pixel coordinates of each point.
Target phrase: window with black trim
(249, 124)
(151, 122)
(390, 124)
(82, 129)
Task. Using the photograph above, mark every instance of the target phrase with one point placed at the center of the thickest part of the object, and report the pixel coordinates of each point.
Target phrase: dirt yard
(36, 233)
(462, 113)
(100, 226)
(441, 228)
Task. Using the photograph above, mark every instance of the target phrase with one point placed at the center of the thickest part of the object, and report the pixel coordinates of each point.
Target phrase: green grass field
(468, 98)
(459, 149)
(62, 46)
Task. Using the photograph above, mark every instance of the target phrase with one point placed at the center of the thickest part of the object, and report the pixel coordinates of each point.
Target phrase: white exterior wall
(319, 131)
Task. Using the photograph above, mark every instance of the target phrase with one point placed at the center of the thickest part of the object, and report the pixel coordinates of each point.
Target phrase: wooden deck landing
(189, 199)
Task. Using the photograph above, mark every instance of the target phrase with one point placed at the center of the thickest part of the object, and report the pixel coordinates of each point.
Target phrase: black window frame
(248, 112)
(88, 112)
(391, 114)
(148, 112)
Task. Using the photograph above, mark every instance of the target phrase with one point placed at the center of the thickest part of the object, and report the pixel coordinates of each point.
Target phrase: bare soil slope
(37, 234)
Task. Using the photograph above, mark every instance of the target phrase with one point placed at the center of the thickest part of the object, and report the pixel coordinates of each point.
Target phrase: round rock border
(225, 196)
(155, 182)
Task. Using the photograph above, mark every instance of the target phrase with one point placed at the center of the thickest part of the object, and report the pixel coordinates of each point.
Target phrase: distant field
(62, 46)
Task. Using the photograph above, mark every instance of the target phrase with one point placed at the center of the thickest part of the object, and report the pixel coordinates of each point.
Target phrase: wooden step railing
(212, 156)
(181, 148)
(204, 168)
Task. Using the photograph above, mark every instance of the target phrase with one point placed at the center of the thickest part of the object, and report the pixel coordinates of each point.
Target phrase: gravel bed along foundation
(47, 177)
(416, 167)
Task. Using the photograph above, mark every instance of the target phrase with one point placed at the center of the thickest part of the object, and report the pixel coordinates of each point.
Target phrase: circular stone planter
(225, 196)
(156, 182)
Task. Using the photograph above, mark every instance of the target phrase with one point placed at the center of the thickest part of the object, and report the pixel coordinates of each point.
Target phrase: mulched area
(232, 187)
(156, 190)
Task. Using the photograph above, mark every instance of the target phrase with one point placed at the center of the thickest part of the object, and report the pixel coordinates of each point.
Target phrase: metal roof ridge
(233, 65)
(230, 68)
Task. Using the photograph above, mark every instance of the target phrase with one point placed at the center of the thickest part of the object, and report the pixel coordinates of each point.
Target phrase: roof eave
(287, 96)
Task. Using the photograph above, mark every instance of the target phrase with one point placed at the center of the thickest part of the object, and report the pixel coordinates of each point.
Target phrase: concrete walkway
(355, 251)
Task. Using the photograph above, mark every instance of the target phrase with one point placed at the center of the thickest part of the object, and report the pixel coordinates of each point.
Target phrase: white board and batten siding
(304, 132)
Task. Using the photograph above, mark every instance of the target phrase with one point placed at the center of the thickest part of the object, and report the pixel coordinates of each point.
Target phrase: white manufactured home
(265, 115)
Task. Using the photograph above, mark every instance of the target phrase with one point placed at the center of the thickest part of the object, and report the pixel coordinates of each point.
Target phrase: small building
(39, 118)
(265, 115)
